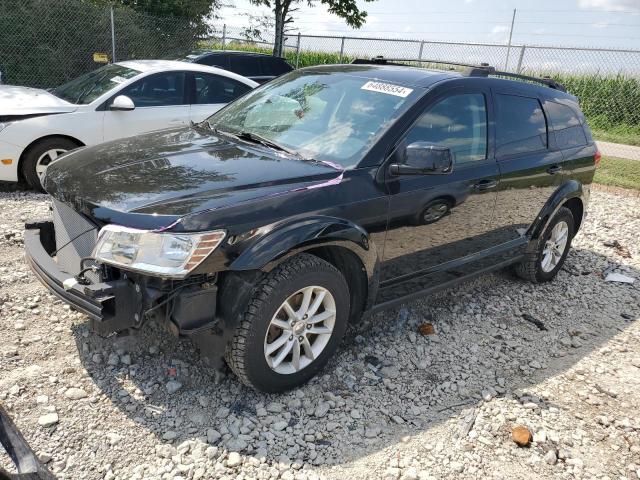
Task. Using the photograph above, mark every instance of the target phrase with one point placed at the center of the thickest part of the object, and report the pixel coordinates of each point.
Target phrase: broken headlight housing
(163, 254)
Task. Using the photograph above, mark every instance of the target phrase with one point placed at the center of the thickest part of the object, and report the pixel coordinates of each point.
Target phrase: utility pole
(513, 20)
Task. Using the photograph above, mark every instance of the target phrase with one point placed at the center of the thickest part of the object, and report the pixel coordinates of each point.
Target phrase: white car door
(160, 102)
(211, 93)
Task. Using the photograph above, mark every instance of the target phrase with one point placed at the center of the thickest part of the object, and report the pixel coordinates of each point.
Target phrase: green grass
(626, 134)
(610, 103)
(618, 172)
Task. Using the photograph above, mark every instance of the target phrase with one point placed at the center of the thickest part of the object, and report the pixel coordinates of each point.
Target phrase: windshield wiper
(257, 138)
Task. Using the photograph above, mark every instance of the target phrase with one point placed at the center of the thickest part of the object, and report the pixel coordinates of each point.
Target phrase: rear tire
(545, 262)
(254, 355)
(40, 155)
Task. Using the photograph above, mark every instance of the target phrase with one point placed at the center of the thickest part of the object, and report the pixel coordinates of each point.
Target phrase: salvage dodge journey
(322, 196)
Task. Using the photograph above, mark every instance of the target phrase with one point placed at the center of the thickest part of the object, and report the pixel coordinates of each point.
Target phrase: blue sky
(592, 23)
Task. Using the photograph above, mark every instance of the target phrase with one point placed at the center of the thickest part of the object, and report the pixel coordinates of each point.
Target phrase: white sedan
(117, 100)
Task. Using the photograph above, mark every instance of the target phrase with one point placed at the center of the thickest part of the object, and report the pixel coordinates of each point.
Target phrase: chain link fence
(44, 43)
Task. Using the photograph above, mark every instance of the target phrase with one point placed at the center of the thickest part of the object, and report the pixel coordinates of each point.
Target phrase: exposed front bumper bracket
(112, 306)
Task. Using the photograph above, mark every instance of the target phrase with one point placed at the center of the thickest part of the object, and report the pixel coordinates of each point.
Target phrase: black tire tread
(527, 269)
(28, 164)
(236, 351)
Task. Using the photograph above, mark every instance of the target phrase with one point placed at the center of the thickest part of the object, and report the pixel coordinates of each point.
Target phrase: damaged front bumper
(111, 306)
(127, 300)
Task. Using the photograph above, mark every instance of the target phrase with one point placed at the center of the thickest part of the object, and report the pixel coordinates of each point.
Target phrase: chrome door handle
(483, 185)
(554, 169)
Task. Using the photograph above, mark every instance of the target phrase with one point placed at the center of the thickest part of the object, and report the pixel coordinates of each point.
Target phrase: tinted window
(215, 89)
(458, 122)
(274, 66)
(214, 61)
(520, 125)
(157, 90)
(244, 65)
(566, 125)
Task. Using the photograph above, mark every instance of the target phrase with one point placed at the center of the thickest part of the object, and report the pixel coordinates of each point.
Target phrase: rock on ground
(392, 404)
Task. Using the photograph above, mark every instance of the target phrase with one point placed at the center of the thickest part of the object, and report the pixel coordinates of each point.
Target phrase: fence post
(224, 36)
(298, 50)
(341, 50)
(513, 20)
(519, 67)
(113, 38)
(421, 49)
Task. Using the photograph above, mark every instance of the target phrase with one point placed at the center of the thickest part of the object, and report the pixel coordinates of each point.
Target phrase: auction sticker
(387, 88)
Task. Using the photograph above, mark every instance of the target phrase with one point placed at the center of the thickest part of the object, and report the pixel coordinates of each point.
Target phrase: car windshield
(326, 116)
(86, 88)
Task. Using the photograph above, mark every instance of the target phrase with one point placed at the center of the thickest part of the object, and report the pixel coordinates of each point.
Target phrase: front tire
(551, 251)
(42, 154)
(292, 326)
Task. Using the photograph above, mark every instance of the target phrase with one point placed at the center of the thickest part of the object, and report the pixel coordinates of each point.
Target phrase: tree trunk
(280, 12)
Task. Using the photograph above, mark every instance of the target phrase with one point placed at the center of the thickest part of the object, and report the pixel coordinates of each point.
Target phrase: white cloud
(610, 5)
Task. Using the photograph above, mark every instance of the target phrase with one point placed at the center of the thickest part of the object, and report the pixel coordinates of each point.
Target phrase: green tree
(197, 12)
(345, 9)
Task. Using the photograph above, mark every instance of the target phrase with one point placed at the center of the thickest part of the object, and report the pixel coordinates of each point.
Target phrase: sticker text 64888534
(387, 88)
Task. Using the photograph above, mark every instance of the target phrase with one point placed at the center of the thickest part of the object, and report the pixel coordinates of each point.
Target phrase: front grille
(75, 238)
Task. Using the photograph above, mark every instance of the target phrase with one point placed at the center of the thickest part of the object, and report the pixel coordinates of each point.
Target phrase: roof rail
(470, 70)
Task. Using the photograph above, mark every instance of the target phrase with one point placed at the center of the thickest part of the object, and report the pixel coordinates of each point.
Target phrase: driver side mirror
(423, 158)
(122, 103)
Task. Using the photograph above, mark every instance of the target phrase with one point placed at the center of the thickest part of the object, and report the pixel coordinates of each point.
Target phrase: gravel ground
(393, 404)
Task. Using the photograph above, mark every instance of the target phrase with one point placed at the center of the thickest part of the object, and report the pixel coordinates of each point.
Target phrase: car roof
(204, 53)
(418, 77)
(147, 66)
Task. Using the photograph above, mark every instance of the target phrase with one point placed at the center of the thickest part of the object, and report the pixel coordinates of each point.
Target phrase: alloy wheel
(555, 246)
(300, 330)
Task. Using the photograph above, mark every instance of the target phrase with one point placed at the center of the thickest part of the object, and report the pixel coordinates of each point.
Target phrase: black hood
(162, 176)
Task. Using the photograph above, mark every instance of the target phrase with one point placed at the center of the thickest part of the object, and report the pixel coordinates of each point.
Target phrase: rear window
(215, 61)
(521, 126)
(274, 66)
(566, 125)
(246, 66)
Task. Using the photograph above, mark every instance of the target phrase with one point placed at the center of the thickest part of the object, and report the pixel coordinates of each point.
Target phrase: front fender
(288, 239)
(569, 189)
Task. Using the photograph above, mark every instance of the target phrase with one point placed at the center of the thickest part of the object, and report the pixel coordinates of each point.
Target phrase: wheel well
(350, 265)
(35, 142)
(448, 198)
(577, 209)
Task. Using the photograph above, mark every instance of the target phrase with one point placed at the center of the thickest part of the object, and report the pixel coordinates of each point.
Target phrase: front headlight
(163, 254)
(4, 125)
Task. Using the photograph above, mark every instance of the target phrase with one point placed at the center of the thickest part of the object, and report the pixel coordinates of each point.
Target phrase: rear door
(437, 222)
(160, 101)
(531, 167)
(210, 92)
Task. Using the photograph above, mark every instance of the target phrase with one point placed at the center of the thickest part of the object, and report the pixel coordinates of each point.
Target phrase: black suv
(326, 194)
(258, 67)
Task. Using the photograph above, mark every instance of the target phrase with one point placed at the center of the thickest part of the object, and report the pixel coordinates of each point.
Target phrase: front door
(160, 102)
(436, 221)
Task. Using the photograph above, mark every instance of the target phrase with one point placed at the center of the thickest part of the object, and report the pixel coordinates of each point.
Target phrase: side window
(159, 90)
(215, 89)
(458, 122)
(520, 125)
(247, 66)
(566, 125)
